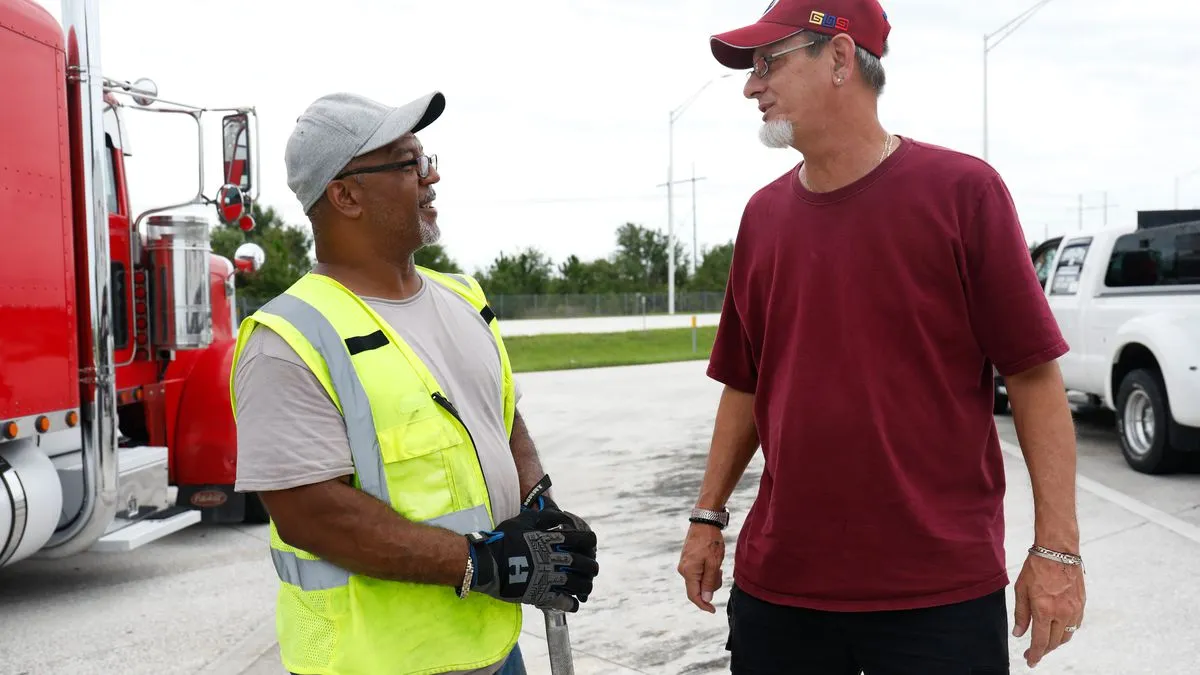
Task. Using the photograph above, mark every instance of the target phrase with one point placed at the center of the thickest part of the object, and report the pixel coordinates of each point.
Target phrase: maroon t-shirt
(866, 322)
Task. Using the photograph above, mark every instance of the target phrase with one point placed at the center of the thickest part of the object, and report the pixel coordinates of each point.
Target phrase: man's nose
(754, 86)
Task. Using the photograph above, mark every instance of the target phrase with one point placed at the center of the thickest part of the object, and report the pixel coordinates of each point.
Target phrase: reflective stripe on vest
(360, 426)
(319, 575)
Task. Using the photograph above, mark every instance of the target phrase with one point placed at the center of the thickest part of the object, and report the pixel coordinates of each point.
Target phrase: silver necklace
(887, 147)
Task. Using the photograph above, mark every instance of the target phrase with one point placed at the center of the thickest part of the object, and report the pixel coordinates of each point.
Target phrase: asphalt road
(617, 442)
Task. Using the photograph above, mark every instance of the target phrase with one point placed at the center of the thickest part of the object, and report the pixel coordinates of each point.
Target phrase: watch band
(718, 519)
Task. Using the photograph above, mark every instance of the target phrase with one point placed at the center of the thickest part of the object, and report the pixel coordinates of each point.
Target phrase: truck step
(145, 505)
(146, 530)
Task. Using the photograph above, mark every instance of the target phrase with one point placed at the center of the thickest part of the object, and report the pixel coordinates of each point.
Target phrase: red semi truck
(116, 329)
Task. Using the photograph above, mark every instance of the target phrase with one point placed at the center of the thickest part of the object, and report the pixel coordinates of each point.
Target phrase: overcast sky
(555, 131)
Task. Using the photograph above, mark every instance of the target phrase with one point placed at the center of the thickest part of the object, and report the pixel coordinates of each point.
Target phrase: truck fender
(1170, 339)
(205, 449)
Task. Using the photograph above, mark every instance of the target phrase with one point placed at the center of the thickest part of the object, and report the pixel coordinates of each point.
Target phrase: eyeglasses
(763, 63)
(424, 164)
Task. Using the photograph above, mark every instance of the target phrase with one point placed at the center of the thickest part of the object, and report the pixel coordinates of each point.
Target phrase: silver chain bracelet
(468, 576)
(1056, 556)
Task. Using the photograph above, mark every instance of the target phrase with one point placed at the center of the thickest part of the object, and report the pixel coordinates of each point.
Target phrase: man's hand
(550, 517)
(547, 514)
(1052, 596)
(519, 563)
(700, 564)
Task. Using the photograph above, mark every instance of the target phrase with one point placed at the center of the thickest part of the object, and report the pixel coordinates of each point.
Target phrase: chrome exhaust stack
(85, 83)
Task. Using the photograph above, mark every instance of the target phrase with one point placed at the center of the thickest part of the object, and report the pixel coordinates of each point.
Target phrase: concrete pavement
(616, 441)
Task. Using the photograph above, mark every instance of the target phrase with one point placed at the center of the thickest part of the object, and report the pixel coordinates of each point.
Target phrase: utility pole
(695, 245)
(693, 181)
(1105, 207)
(671, 118)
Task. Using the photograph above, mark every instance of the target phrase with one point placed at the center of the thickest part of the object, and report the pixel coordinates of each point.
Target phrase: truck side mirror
(249, 258)
(231, 204)
(235, 134)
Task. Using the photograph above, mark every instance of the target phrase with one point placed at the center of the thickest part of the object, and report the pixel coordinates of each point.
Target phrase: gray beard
(429, 231)
(776, 134)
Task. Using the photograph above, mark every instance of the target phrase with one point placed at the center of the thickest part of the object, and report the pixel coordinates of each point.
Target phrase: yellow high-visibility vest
(410, 450)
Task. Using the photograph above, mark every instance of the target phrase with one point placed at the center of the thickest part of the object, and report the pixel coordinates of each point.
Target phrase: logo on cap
(829, 21)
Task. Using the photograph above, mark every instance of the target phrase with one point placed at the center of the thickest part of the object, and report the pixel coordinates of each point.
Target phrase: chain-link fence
(574, 305)
(608, 304)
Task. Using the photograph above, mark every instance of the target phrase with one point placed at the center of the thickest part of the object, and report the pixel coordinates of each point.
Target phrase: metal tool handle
(558, 639)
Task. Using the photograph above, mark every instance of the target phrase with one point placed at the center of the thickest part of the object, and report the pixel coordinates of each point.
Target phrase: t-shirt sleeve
(289, 432)
(1010, 316)
(732, 361)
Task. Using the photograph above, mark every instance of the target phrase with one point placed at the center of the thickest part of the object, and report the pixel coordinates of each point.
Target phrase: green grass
(531, 353)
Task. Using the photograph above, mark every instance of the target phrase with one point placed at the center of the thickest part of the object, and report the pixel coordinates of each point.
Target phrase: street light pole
(673, 116)
(1179, 179)
(671, 212)
(1004, 31)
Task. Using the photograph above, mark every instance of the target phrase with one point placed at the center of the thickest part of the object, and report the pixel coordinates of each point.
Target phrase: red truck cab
(116, 328)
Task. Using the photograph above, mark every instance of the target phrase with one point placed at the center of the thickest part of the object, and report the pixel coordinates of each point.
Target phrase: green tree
(434, 257)
(528, 272)
(641, 258)
(287, 248)
(712, 274)
(574, 276)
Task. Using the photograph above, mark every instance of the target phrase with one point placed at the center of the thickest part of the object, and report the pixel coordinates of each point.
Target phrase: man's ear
(344, 197)
(843, 57)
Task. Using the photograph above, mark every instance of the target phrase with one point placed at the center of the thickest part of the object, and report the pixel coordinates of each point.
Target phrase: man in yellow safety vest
(377, 420)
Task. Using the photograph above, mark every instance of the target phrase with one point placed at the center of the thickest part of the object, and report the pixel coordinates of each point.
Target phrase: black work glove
(549, 516)
(519, 563)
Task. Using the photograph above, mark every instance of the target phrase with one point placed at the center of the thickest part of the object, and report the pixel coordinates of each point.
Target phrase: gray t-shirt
(290, 433)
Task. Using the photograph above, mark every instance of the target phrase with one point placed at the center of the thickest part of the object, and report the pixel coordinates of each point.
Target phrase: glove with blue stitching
(518, 562)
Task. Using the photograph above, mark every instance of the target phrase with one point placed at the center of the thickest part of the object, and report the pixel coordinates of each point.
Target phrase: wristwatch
(718, 519)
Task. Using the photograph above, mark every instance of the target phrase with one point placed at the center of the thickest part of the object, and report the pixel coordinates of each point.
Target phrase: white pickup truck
(1128, 303)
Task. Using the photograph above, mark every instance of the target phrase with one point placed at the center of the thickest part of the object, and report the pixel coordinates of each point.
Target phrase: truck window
(1043, 262)
(1162, 256)
(1187, 256)
(1070, 266)
(120, 308)
(110, 183)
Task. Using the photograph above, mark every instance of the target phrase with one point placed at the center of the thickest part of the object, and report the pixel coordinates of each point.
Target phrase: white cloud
(555, 131)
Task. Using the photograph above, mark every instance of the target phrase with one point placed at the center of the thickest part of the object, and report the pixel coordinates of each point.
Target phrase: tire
(1143, 419)
(256, 512)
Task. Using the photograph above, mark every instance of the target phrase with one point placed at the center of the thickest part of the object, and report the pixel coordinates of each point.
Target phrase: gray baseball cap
(339, 127)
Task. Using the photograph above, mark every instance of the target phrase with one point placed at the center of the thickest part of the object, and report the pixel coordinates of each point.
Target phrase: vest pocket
(413, 449)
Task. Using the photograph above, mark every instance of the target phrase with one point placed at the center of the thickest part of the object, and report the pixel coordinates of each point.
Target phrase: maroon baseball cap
(863, 20)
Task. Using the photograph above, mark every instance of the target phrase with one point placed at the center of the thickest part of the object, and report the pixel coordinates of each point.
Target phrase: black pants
(968, 638)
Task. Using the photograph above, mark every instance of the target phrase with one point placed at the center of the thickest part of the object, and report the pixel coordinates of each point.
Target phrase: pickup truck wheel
(1142, 418)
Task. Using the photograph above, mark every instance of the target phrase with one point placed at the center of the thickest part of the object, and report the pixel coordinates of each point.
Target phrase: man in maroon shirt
(872, 289)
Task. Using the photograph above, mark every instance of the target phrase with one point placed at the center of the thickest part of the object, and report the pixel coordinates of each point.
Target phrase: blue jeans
(514, 664)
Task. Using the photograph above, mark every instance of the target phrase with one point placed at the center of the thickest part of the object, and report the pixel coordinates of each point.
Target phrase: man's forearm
(524, 452)
(1047, 436)
(734, 440)
(359, 533)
